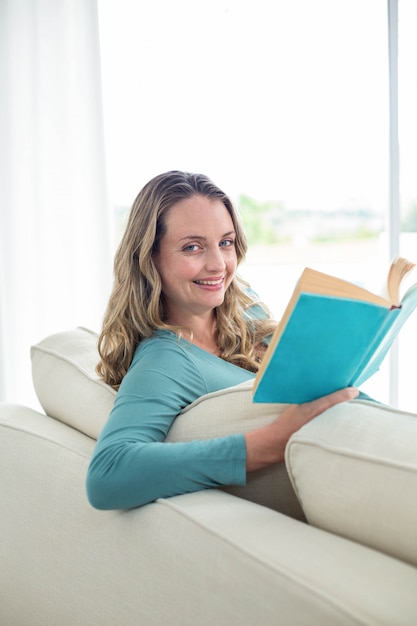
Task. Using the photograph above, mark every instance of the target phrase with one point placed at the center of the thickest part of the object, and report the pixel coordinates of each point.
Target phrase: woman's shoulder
(160, 367)
(163, 347)
(158, 338)
(172, 357)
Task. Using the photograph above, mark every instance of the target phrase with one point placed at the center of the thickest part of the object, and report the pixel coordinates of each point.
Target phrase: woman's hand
(266, 446)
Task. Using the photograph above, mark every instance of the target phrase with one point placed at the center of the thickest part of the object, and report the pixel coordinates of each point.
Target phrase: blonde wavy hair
(135, 309)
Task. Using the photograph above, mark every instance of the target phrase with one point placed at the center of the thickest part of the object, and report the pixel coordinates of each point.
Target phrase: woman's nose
(215, 260)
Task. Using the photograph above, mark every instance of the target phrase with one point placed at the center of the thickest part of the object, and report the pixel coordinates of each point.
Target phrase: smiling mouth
(210, 283)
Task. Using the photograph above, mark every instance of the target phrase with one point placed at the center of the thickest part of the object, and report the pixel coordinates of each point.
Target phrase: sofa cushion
(354, 469)
(68, 389)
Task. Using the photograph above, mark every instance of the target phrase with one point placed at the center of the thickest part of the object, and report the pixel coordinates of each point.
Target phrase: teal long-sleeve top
(131, 463)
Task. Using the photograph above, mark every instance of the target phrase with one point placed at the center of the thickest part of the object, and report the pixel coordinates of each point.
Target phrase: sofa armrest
(354, 469)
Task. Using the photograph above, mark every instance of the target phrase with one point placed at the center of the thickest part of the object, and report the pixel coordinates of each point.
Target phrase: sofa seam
(213, 394)
(282, 571)
(84, 371)
(382, 407)
(374, 459)
(56, 444)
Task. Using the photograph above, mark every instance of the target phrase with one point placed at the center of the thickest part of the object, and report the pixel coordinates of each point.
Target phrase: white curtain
(55, 248)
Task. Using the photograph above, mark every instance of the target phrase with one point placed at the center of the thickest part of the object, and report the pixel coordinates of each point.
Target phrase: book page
(399, 269)
(312, 281)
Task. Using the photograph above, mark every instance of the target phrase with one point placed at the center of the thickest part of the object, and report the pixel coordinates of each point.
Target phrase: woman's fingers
(297, 415)
(266, 445)
(315, 407)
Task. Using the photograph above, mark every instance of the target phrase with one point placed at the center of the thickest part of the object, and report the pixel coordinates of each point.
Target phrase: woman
(180, 324)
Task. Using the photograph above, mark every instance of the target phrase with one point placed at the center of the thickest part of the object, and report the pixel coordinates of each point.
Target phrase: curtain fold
(55, 242)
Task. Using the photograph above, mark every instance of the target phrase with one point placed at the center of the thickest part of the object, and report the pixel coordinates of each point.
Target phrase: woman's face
(196, 258)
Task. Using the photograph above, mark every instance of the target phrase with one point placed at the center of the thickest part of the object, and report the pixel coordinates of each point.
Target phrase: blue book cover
(327, 342)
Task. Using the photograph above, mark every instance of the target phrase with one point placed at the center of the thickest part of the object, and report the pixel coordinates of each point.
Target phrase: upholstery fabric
(195, 560)
(207, 557)
(354, 469)
(63, 372)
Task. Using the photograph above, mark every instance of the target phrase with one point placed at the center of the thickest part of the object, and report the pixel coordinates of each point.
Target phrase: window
(283, 104)
(407, 106)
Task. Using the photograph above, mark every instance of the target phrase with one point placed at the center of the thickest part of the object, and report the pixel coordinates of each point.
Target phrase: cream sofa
(330, 539)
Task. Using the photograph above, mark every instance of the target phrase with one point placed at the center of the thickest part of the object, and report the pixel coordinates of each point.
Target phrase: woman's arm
(132, 464)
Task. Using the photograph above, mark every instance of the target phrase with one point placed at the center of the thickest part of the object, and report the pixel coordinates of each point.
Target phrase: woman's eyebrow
(193, 237)
(232, 232)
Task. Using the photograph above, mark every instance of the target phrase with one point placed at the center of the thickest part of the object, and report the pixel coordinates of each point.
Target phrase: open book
(333, 334)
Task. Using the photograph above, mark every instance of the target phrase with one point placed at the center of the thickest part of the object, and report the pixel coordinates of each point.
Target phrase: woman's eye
(192, 247)
(225, 243)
